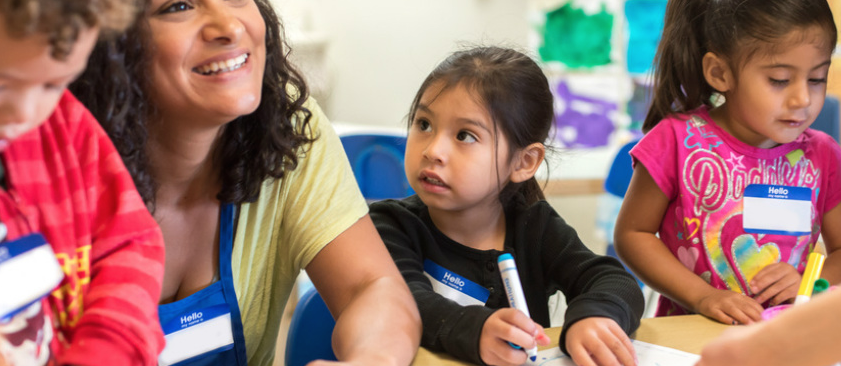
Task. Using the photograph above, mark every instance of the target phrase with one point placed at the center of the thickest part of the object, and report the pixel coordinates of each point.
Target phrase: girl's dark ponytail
(679, 83)
(531, 190)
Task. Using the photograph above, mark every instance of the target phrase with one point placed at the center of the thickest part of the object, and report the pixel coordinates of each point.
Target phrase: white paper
(647, 354)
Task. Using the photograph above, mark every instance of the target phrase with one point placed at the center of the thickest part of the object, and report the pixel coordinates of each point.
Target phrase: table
(687, 333)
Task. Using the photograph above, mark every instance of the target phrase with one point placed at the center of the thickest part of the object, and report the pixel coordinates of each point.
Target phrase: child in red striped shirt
(81, 258)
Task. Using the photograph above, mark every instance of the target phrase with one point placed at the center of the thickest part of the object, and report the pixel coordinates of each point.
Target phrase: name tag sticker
(778, 210)
(454, 287)
(197, 333)
(29, 271)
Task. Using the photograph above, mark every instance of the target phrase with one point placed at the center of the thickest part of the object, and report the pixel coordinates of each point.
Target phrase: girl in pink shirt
(731, 189)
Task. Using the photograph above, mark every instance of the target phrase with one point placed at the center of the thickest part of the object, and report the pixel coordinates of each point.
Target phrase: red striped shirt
(66, 180)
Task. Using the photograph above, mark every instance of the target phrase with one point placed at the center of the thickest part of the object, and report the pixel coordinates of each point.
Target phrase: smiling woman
(238, 166)
(215, 67)
(79, 273)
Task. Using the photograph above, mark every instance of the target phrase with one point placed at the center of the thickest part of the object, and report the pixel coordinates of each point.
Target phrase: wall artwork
(598, 56)
(577, 39)
(645, 24)
(582, 121)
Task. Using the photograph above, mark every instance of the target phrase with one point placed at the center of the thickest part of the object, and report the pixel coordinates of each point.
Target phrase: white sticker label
(453, 286)
(778, 210)
(206, 335)
(28, 271)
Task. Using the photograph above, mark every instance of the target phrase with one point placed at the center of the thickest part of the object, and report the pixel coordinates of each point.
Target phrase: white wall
(377, 52)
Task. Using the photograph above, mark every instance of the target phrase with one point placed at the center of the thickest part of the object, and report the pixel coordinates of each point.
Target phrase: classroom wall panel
(366, 58)
(379, 51)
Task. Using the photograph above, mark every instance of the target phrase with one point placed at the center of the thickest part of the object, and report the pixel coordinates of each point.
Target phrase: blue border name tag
(197, 332)
(29, 271)
(454, 287)
(778, 210)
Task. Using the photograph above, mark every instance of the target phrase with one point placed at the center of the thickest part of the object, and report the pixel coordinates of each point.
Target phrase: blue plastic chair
(616, 184)
(377, 163)
(621, 170)
(829, 120)
(310, 331)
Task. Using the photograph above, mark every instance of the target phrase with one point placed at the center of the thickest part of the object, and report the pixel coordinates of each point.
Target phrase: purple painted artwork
(582, 121)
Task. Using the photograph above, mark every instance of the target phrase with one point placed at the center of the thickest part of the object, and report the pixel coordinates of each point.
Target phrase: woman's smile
(219, 67)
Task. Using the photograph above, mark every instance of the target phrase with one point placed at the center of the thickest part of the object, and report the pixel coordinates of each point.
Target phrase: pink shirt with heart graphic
(703, 171)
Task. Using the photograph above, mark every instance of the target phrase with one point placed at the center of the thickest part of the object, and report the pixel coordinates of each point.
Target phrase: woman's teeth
(222, 66)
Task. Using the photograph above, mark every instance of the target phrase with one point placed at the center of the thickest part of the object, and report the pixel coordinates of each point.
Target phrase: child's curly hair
(62, 20)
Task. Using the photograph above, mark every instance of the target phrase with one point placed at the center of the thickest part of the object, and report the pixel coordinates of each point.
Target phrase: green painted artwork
(577, 39)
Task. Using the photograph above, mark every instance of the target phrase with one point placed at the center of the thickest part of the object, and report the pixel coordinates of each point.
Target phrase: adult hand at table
(509, 325)
(729, 307)
(599, 341)
(777, 282)
(733, 347)
(376, 359)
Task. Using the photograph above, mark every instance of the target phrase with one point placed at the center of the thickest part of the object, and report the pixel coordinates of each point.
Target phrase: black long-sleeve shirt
(549, 257)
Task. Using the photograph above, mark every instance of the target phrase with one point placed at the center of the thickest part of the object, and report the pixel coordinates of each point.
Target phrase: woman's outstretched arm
(377, 321)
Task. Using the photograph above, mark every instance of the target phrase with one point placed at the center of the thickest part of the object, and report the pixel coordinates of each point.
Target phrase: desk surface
(686, 333)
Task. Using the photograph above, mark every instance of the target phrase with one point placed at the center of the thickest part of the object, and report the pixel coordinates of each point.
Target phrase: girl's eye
(422, 124)
(175, 7)
(817, 81)
(465, 137)
(778, 82)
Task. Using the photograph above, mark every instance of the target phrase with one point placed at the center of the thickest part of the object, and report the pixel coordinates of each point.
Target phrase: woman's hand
(509, 325)
(732, 348)
(729, 307)
(777, 282)
(599, 341)
(365, 361)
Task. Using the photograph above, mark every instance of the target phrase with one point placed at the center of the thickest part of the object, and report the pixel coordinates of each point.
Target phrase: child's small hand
(777, 282)
(729, 307)
(599, 341)
(509, 325)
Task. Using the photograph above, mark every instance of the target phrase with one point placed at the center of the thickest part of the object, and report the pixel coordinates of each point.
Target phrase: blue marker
(514, 291)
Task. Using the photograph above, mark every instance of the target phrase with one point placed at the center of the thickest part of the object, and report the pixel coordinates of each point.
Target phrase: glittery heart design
(751, 258)
(707, 276)
(691, 224)
(794, 156)
(688, 256)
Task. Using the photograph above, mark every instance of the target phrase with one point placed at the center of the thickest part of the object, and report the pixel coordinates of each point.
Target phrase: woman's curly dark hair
(252, 148)
(61, 21)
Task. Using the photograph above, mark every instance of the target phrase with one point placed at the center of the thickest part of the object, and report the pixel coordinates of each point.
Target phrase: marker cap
(821, 285)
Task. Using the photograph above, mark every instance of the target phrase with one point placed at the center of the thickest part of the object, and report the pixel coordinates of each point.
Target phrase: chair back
(310, 331)
(616, 184)
(621, 170)
(377, 163)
